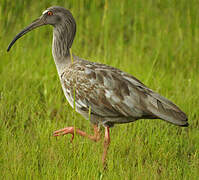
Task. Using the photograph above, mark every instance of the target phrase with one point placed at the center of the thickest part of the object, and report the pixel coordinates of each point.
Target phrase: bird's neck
(61, 48)
(63, 36)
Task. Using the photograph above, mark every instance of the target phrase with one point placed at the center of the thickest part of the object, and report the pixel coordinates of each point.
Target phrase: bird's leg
(106, 145)
(73, 130)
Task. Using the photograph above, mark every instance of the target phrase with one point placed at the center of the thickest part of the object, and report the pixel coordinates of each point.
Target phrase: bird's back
(114, 96)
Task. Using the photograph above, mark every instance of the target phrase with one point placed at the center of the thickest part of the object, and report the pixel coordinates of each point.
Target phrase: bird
(102, 94)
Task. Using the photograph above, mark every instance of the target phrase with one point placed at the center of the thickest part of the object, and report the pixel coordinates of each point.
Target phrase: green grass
(156, 40)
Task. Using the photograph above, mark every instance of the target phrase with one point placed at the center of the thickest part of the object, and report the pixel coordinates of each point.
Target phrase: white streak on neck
(45, 11)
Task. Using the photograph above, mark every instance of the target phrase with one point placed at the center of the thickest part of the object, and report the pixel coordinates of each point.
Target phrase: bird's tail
(166, 110)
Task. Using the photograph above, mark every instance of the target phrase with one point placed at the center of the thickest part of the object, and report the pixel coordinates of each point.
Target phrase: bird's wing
(158, 105)
(110, 92)
(104, 90)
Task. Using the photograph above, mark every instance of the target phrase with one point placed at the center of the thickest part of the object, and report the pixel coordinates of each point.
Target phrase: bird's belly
(70, 99)
(119, 120)
(68, 96)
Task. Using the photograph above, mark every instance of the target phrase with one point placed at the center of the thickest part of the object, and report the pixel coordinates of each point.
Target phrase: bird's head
(58, 17)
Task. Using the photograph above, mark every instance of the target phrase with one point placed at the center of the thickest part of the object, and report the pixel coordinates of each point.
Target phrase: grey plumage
(112, 96)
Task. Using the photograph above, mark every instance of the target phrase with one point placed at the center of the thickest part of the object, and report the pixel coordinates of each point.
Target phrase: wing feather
(112, 93)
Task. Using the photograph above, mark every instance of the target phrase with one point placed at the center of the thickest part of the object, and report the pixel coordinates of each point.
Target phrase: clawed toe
(95, 137)
(61, 132)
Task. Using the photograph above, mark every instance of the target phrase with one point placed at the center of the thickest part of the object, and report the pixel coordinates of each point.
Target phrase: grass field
(157, 41)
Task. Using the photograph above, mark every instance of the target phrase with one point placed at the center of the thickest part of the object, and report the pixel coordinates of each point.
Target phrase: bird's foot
(95, 137)
(64, 131)
(73, 130)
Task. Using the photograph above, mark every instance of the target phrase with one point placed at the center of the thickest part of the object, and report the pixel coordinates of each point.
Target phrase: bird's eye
(50, 13)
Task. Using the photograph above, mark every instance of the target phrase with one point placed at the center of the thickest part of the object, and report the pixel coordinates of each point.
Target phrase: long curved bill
(36, 23)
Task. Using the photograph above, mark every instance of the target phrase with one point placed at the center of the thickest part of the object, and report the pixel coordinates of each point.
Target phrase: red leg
(106, 145)
(72, 130)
